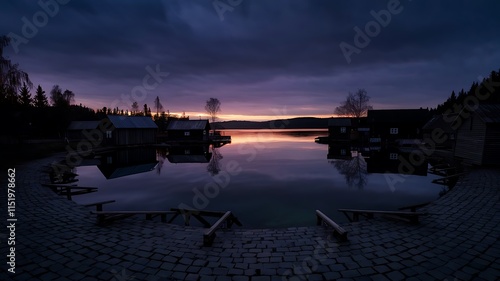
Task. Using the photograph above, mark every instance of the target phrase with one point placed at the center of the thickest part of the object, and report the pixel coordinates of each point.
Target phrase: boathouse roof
(132, 122)
(187, 124)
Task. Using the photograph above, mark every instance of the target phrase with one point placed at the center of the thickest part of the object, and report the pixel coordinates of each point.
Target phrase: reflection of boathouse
(397, 161)
(189, 154)
(339, 151)
(125, 162)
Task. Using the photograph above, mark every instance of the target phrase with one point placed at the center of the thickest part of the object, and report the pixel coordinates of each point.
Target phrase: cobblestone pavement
(56, 239)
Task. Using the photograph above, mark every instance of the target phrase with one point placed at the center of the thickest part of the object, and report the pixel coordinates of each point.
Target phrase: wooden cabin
(339, 129)
(389, 126)
(443, 123)
(75, 130)
(130, 130)
(478, 137)
(188, 130)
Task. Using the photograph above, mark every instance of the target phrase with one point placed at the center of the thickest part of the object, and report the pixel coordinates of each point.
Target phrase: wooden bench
(98, 205)
(411, 217)
(106, 217)
(209, 234)
(62, 189)
(338, 231)
(444, 180)
(414, 208)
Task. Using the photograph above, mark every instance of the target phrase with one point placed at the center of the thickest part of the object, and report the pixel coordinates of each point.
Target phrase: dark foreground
(58, 240)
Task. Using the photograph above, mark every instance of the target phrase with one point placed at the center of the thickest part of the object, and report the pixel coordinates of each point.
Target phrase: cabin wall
(335, 133)
(193, 135)
(405, 131)
(471, 140)
(492, 145)
(134, 136)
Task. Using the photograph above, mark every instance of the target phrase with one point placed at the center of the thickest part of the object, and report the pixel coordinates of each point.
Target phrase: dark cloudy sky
(262, 59)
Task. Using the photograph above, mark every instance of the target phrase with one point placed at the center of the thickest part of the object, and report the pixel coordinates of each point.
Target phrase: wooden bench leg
(208, 239)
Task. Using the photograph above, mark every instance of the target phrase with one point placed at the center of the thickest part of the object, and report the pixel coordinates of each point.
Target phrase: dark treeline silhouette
(490, 87)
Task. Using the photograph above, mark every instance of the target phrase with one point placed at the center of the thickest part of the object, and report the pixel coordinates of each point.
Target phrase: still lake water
(269, 178)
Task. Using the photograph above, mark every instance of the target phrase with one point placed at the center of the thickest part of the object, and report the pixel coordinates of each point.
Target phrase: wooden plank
(400, 213)
(414, 208)
(209, 234)
(98, 205)
(337, 229)
(66, 186)
(109, 216)
(199, 212)
(398, 218)
(448, 177)
(132, 212)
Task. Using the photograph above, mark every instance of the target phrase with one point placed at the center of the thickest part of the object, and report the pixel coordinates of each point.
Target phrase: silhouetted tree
(356, 105)
(213, 107)
(25, 96)
(12, 78)
(135, 108)
(40, 98)
(158, 105)
(58, 98)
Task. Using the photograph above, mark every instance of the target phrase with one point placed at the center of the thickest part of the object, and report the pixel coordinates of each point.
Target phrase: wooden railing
(338, 231)
(411, 217)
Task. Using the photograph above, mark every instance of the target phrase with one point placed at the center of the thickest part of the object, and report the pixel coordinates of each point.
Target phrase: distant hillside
(294, 123)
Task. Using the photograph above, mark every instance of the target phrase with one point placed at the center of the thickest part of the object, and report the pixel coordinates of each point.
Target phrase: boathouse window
(343, 130)
(187, 134)
(109, 134)
(343, 151)
(393, 156)
(394, 131)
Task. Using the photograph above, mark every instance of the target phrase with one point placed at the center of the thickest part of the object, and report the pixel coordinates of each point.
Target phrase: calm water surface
(269, 178)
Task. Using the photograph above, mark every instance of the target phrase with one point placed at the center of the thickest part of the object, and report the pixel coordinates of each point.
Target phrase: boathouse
(440, 125)
(75, 130)
(478, 137)
(396, 125)
(130, 130)
(339, 129)
(188, 130)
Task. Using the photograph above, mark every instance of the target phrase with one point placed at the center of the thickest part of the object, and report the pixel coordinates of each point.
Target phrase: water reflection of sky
(284, 177)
